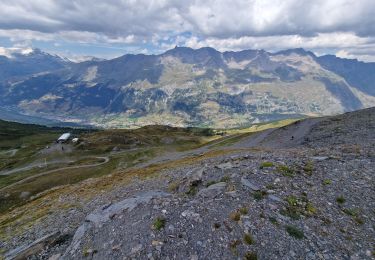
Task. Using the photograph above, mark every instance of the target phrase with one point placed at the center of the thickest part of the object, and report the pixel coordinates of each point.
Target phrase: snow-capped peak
(10, 52)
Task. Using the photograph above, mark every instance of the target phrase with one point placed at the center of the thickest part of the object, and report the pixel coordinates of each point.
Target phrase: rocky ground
(305, 191)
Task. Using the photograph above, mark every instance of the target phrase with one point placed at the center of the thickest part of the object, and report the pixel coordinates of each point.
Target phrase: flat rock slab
(249, 184)
(320, 158)
(213, 190)
(225, 166)
(23, 252)
(275, 198)
(104, 214)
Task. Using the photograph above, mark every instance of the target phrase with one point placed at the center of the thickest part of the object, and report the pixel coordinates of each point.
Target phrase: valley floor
(302, 191)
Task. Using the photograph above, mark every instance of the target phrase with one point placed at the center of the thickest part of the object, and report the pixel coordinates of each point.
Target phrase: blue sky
(111, 28)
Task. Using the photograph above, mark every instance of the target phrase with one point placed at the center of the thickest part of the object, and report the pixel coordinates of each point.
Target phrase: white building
(64, 137)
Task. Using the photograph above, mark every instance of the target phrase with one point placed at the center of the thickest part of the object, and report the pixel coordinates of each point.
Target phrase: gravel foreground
(313, 198)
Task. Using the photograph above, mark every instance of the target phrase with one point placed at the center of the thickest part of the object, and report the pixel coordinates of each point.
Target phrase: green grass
(309, 167)
(248, 239)
(227, 141)
(285, 170)
(243, 210)
(350, 212)
(266, 165)
(42, 183)
(294, 232)
(274, 221)
(292, 200)
(259, 195)
(225, 178)
(340, 200)
(159, 223)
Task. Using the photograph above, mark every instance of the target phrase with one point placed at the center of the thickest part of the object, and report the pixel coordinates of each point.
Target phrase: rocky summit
(302, 191)
(183, 87)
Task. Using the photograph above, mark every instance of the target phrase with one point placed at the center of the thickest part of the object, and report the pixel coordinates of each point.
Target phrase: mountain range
(183, 87)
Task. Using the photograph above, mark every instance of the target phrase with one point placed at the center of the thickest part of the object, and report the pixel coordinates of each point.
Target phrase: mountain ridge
(192, 87)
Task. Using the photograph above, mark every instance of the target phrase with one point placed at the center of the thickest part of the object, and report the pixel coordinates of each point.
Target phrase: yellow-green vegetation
(327, 182)
(42, 183)
(292, 200)
(173, 186)
(248, 239)
(243, 210)
(266, 165)
(285, 170)
(261, 126)
(125, 149)
(309, 167)
(37, 209)
(159, 223)
(229, 140)
(298, 206)
(225, 178)
(42, 193)
(310, 209)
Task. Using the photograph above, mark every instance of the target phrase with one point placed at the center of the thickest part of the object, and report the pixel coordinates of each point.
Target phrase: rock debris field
(313, 198)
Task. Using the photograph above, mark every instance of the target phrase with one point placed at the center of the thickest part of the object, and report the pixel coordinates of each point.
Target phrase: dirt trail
(106, 159)
(32, 166)
(284, 137)
(271, 138)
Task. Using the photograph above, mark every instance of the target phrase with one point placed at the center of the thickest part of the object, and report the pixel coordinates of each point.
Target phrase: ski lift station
(64, 138)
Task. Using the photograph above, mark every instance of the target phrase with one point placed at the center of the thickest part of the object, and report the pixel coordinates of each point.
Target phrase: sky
(110, 28)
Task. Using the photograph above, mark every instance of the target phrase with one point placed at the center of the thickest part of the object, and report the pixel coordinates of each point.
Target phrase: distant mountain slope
(36, 61)
(359, 74)
(187, 87)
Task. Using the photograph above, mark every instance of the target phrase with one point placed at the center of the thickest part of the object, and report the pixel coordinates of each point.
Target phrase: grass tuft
(235, 216)
(259, 195)
(159, 223)
(294, 232)
(340, 200)
(251, 256)
(266, 165)
(248, 239)
(285, 170)
(225, 178)
(243, 210)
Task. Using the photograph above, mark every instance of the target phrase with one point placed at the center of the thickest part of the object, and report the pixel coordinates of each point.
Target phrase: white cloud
(236, 24)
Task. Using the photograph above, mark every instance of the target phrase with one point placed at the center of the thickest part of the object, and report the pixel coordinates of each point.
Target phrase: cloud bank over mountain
(342, 27)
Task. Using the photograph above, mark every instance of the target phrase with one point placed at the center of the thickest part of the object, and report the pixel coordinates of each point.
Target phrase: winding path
(105, 158)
